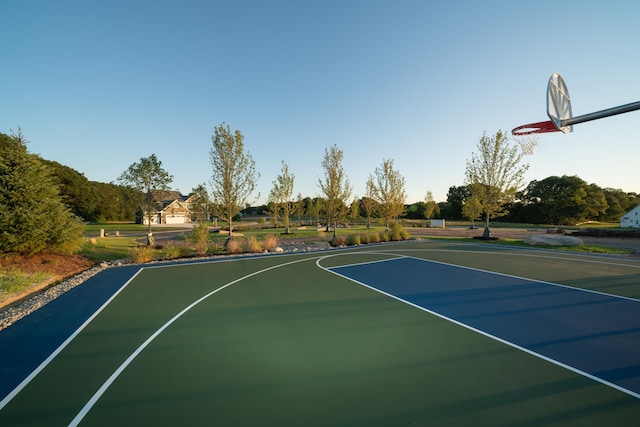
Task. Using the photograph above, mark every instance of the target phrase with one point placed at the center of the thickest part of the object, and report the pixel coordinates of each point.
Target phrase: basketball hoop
(559, 111)
(527, 143)
(532, 128)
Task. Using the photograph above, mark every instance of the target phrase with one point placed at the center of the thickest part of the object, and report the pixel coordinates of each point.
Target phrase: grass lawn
(108, 248)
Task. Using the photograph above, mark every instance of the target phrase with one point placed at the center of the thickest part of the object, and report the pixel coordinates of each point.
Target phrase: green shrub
(173, 251)
(199, 238)
(141, 254)
(397, 232)
(215, 248)
(354, 239)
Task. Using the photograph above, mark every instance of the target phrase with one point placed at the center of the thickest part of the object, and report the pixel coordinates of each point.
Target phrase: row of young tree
(494, 189)
(43, 204)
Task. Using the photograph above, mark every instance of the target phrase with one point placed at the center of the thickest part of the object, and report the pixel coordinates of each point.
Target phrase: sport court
(415, 333)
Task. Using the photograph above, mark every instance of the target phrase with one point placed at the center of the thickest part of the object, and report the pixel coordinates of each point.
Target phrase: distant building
(173, 210)
(631, 219)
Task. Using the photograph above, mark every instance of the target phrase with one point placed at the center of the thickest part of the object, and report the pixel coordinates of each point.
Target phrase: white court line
(359, 250)
(61, 347)
(87, 407)
(399, 256)
(479, 331)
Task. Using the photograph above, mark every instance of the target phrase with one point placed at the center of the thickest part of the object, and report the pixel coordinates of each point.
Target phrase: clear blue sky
(98, 85)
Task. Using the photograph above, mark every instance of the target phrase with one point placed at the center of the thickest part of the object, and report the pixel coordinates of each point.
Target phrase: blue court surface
(592, 333)
(414, 333)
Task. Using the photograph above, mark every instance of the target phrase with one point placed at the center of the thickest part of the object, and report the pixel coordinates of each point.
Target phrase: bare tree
(497, 171)
(234, 173)
(152, 181)
(389, 191)
(335, 186)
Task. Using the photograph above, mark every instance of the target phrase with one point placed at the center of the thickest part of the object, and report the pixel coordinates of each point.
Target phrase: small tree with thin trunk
(335, 186)
(472, 209)
(151, 181)
(430, 206)
(200, 204)
(496, 175)
(367, 201)
(281, 194)
(389, 191)
(354, 210)
(234, 173)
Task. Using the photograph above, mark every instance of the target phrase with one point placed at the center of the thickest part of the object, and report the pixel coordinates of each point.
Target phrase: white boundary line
(87, 407)
(399, 256)
(509, 343)
(352, 250)
(61, 347)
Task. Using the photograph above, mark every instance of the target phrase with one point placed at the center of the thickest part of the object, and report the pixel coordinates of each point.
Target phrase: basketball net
(527, 143)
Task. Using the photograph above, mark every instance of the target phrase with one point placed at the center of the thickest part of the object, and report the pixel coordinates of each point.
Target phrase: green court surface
(282, 341)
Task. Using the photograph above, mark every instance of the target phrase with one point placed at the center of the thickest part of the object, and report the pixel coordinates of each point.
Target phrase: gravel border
(12, 313)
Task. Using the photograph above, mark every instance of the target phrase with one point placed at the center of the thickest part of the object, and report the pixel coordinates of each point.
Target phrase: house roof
(637, 208)
(167, 197)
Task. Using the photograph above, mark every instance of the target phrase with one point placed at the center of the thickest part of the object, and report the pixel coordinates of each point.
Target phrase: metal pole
(601, 114)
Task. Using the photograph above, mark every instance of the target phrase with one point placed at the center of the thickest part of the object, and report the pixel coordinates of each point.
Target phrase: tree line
(47, 202)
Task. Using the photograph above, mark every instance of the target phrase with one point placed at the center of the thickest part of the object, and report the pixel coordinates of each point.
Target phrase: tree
(618, 203)
(335, 186)
(234, 173)
(456, 198)
(200, 203)
(564, 200)
(33, 216)
(498, 174)
(367, 201)
(595, 203)
(281, 194)
(472, 209)
(273, 211)
(431, 208)
(389, 191)
(76, 190)
(354, 210)
(151, 181)
(298, 208)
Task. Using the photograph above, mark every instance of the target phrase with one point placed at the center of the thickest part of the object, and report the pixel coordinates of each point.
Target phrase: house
(176, 209)
(631, 219)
